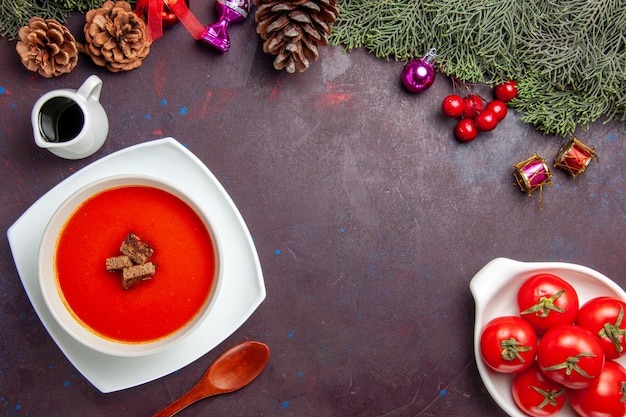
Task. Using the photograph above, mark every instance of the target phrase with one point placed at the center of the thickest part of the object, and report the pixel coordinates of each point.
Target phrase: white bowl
(52, 293)
(495, 288)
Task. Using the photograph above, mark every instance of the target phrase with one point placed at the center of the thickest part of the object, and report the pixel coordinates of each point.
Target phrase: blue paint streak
(163, 102)
(2, 90)
(147, 116)
(442, 392)
(66, 383)
(290, 335)
(286, 404)
(277, 251)
(183, 110)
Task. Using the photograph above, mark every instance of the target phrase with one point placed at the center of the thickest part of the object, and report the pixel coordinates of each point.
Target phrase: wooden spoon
(234, 369)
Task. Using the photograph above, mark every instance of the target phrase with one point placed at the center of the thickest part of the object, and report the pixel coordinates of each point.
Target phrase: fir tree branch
(568, 57)
(16, 13)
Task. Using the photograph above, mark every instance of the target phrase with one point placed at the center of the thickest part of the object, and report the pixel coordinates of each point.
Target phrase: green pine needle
(16, 13)
(568, 57)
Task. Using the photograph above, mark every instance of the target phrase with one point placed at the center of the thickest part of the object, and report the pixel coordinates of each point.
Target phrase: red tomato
(453, 105)
(508, 344)
(537, 395)
(604, 317)
(465, 130)
(605, 397)
(473, 106)
(486, 121)
(546, 300)
(499, 108)
(506, 91)
(570, 355)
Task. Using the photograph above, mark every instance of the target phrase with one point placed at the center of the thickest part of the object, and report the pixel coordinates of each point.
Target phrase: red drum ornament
(532, 174)
(574, 157)
(419, 74)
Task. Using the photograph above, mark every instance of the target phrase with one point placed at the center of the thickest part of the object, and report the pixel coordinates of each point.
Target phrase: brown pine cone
(116, 37)
(47, 47)
(294, 29)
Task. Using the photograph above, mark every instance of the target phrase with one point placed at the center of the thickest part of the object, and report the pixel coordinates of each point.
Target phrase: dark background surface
(369, 218)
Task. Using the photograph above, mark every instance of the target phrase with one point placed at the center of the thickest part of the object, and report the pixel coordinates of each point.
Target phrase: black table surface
(369, 219)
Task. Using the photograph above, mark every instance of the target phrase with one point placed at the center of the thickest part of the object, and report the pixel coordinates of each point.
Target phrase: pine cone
(47, 47)
(294, 29)
(116, 37)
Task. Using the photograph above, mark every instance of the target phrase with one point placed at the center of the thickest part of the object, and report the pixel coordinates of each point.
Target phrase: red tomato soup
(183, 254)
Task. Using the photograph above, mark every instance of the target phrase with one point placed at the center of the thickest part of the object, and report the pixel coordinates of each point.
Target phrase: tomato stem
(613, 332)
(545, 305)
(571, 364)
(549, 397)
(511, 349)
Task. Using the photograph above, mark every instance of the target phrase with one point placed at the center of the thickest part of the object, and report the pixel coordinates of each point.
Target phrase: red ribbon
(184, 15)
(153, 10)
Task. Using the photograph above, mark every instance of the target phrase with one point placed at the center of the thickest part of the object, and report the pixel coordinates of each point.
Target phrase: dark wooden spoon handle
(189, 398)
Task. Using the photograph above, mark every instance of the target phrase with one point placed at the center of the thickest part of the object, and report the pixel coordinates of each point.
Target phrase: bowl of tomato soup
(101, 284)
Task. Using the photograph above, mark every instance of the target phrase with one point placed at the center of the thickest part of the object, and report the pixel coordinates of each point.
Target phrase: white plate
(241, 292)
(495, 288)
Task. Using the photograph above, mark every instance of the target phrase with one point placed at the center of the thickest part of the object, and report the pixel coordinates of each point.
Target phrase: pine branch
(16, 13)
(568, 57)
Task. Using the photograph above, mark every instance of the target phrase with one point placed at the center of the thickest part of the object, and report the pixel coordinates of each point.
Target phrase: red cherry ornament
(499, 108)
(419, 74)
(453, 106)
(506, 91)
(473, 106)
(486, 121)
(465, 130)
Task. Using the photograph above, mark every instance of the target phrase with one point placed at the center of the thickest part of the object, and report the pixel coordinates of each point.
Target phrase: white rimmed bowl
(52, 293)
(495, 288)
